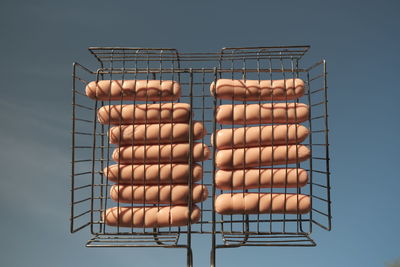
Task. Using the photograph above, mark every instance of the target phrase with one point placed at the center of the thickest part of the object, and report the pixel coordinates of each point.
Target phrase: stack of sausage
(274, 141)
(152, 154)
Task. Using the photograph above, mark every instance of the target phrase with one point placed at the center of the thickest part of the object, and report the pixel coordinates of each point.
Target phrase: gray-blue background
(40, 40)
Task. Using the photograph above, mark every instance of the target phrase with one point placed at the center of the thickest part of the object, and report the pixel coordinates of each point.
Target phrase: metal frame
(195, 72)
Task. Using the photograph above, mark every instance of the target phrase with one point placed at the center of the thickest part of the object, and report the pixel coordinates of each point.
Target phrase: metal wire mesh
(195, 72)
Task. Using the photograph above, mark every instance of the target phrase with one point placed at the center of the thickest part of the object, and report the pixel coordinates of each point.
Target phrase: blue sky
(41, 39)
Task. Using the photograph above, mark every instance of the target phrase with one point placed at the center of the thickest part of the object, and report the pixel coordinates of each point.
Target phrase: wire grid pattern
(195, 72)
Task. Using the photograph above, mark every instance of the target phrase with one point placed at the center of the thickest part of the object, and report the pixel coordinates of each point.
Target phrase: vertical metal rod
(233, 126)
(272, 149)
(108, 143)
(73, 149)
(213, 231)
(202, 140)
(102, 161)
(101, 169)
(296, 144)
(287, 146)
(259, 142)
(311, 145)
(145, 144)
(245, 225)
(327, 145)
(120, 133)
(158, 142)
(93, 168)
(133, 142)
(189, 234)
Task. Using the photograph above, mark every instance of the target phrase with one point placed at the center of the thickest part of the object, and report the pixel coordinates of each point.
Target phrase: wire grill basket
(92, 152)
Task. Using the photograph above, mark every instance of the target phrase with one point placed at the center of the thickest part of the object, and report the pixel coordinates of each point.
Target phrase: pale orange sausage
(175, 153)
(142, 90)
(254, 90)
(240, 158)
(260, 178)
(155, 133)
(264, 113)
(261, 136)
(254, 203)
(153, 173)
(153, 217)
(158, 194)
(144, 113)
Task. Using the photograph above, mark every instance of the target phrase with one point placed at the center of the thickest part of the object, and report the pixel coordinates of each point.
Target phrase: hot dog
(240, 158)
(155, 133)
(146, 90)
(144, 113)
(168, 153)
(153, 217)
(264, 113)
(254, 90)
(261, 136)
(260, 178)
(153, 173)
(254, 203)
(158, 194)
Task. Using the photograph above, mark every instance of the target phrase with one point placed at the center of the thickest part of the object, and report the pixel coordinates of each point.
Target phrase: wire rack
(195, 72)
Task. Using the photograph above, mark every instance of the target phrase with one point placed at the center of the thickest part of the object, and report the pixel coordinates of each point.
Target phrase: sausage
(260, 178)
(144, 113)
(142, 90)
(153, 173)
(151, 217)
(240, 158)
(158, 194)
(255, 203)
(255, 90)
(269, 135)
(262, 113)
(168, 153)
(155, 133)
